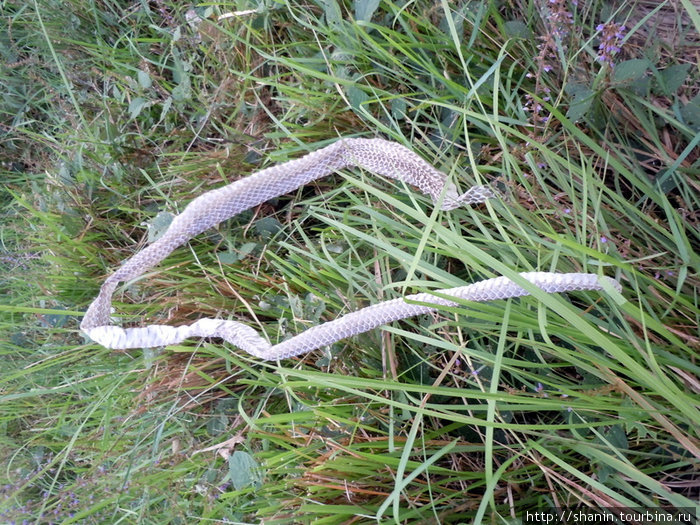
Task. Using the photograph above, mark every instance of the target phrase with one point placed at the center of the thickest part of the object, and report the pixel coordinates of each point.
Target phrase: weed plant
(115, 115)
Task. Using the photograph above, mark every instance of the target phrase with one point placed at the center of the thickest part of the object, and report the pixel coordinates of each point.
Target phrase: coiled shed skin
(375, 155)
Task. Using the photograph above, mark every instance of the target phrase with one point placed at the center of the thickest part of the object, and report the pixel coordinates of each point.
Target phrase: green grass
(113, 112)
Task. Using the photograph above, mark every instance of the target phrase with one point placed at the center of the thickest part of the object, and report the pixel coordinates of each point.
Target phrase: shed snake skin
(209, 209)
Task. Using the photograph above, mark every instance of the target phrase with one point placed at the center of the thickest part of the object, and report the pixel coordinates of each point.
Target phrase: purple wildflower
(610, 38)
(560, 18)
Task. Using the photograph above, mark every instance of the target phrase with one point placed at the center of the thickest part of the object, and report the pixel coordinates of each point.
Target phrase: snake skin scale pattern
(209, 209)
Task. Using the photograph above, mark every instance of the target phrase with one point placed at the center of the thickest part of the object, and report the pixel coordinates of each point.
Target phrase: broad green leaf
(158, 225)
(672, 78)
(331, 9)
(517, 29)
(228, 257)
(243, 469)
(616, 436)
(583, 98)
(217, 424)
(364, 9)
(630, 70)
(167, 104)
(247, 248)
(640, 86)
(691, 113)
(357, 97)
(144, 79)
(182, 91)
(136, 106)
(235, 255)
(267, 227)
(398, 108)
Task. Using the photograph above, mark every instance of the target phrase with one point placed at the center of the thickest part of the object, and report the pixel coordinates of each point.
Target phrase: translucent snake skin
(375, 155)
